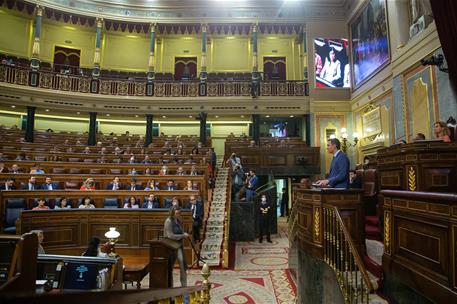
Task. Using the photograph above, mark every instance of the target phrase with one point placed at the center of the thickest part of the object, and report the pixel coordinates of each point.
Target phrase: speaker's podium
(162, 255)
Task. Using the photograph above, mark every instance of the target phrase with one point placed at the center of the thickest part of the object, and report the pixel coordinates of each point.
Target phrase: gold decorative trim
(387, 232)
(317, 226)
(412, 179)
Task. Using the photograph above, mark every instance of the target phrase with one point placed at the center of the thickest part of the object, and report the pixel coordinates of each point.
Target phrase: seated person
(15, 169)
(180, 171)
(49, 185)
(94, 249)
(89, 184)
(132, 203)
(419, 136)
(9, 185)
(354, 180)
(147, 171)
(36, 170)
(132, 160)
(151, 202)
(171, 202)
(86, 150)
(170, 186)
(189, 186)
(20, 156)
(87, 203)
(133, 186)
(133, 171)
(3, 169)
(40, 236)
(31, 185)
(146, 160)
(442, 131)
(41, 204)
(193, 170)
(163, 171)
(115, 184)
(151, 186)
(63, 204)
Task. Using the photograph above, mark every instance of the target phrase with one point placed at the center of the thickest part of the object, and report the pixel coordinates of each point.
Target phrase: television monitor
(331, 63)
(80, 275)
(7, 248)
(278, 129)
(369, 41)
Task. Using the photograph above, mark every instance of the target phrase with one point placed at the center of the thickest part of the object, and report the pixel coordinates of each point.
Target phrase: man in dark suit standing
(339, 169)
(49, 185)
(264, 219)
(196, 207)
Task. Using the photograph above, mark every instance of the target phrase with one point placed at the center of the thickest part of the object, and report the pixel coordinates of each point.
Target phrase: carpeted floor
(260, 275)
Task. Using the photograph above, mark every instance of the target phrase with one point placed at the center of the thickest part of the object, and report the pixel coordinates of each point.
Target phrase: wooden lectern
(162, 255)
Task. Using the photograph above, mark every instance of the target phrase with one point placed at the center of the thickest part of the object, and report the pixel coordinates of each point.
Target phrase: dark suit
(135, 188)
(197, 217)
(55, 186)
(2, 187)
(339, 171)
(264, 220)
(30, 186)
(111, 185)
(155, 203)
(169, 188)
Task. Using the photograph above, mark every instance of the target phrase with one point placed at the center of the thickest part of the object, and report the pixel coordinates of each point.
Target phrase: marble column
(35, 61)
(203, 73)
(98, 40)
(30, 124)
(149, 120)
(305, 56)
(202, 89)
(202, 117)
(92, 139)
(151, 71)
(255, 87)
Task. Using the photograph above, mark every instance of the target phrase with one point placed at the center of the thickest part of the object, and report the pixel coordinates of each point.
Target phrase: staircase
(211, 250)
(375, 249)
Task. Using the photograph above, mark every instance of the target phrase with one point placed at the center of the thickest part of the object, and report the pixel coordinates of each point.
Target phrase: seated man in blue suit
(151, 202)
(49, 185)
(196, 207)
(339, 169)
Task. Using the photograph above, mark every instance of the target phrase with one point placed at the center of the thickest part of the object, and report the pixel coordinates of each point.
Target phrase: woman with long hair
(441, 131)
(93, 249)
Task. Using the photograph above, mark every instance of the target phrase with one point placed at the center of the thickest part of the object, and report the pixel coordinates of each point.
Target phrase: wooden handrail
(107, 297)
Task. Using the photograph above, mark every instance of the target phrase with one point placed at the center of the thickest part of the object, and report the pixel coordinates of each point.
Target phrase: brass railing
(342, 256)
(292, 227)
(228, 203)
(120, 87)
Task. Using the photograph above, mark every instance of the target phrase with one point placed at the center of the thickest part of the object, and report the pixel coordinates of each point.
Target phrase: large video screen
(331, 63)
(370, 42)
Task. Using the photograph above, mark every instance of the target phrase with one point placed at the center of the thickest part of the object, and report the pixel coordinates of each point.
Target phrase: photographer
(238, 178)
(233, 161)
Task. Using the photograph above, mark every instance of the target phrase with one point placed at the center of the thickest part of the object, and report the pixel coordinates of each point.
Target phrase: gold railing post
(205, 295)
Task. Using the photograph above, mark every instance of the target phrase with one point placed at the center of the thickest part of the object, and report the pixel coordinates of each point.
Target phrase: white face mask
(264, 199)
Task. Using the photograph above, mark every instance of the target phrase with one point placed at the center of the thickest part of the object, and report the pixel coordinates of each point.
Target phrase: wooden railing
(119, 87)
(342, 256)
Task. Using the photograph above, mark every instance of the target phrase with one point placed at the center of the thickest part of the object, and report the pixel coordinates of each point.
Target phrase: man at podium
(173, 230)
(339, 169)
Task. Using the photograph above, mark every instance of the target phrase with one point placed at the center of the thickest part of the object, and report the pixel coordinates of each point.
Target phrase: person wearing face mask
(264, 219)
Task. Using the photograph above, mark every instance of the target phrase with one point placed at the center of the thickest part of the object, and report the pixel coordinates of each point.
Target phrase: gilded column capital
(204, 27)
(39, 10)
(99, 22)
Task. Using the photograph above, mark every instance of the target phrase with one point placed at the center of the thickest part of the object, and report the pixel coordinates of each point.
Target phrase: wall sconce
(113, 236)
(345, 143)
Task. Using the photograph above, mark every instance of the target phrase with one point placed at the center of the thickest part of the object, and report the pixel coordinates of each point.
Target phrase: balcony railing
(118, 87)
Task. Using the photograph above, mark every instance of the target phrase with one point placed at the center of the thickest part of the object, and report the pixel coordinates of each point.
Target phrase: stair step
(372, 230)
(374, 268)
(372, 220)
(375, 250)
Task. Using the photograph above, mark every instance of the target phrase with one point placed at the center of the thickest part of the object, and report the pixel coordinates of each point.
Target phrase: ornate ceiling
(197, 11)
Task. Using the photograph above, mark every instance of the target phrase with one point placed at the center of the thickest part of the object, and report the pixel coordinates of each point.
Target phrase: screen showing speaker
(331, 63)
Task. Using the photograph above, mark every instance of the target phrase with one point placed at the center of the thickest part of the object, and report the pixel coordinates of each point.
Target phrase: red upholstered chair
(370, 187)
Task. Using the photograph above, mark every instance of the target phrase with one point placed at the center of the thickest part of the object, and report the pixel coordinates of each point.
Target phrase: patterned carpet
(260, 275)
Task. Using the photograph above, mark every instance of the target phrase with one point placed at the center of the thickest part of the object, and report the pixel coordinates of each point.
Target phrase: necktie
(49, 187)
